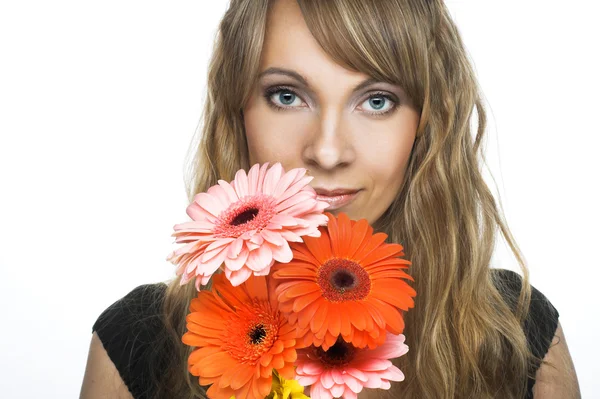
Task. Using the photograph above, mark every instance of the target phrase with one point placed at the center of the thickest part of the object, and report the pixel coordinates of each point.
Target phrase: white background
(99, 102)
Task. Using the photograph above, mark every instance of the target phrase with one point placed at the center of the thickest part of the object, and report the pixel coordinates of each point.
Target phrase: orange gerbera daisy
(347, 282)
(240, 338)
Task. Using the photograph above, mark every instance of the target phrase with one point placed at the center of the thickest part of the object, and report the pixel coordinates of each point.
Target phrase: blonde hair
(465, 340)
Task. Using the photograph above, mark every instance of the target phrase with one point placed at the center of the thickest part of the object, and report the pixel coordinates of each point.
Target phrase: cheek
(389, 163)
(384, 150)
(385, 158)
(273, 136)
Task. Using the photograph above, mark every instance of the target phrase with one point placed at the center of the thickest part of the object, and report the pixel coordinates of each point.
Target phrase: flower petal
(237, 277)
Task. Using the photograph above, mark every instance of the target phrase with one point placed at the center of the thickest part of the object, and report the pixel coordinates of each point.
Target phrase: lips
(336, 198)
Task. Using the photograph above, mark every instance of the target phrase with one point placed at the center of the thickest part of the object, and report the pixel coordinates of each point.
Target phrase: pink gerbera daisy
(246, 225)
(343, 370)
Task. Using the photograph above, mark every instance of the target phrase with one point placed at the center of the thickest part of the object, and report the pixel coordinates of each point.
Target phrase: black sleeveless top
(128, 327)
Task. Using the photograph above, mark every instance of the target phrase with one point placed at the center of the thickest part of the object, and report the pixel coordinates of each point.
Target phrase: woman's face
(354, 135)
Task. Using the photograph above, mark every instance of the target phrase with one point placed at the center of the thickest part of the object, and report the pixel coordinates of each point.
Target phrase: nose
(330, 144)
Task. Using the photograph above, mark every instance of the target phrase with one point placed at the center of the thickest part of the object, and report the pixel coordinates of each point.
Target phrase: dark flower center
(343, 280)
(250, 213)
(244, 217)
(250, 331)
(257, 334)
(338, 355)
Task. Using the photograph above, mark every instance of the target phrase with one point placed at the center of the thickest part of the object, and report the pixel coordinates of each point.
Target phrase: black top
(127, 329)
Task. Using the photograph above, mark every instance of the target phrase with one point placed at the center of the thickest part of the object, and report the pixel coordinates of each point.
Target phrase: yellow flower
(286, 389)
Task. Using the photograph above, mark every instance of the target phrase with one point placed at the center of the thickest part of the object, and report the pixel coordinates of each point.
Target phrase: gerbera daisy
(344, 370)
(246, 224)
(240, 338)
(346, 282)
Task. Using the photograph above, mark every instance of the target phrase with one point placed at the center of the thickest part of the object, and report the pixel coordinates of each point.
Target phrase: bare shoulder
(560, 381)
(101, 379)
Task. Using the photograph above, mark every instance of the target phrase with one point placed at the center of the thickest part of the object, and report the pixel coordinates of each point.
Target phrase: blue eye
(286, 98)
(282, 98)
(379, 103)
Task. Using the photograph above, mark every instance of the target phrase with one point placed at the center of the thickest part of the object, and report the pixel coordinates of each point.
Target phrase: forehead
(289, 44)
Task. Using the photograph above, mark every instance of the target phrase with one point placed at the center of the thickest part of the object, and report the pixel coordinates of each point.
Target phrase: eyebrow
(302, 79)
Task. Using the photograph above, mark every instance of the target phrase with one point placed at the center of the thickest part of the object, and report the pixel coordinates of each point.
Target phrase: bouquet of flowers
(298, 297)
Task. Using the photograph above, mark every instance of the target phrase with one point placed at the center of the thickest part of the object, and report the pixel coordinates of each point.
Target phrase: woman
(375, 99)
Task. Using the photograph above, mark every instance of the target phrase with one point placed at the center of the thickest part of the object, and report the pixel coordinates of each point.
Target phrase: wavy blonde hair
(465, 340)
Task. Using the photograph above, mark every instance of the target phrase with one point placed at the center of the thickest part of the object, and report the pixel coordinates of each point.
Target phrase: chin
(351, 214)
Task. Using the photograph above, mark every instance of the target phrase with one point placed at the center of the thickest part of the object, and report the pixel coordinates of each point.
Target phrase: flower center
(343, 280)
(251, 331)
(251, 213)
(244, 217)
(257, 334)
(338, 355)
